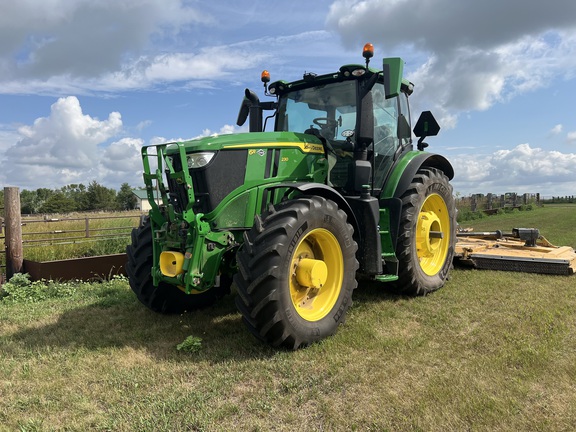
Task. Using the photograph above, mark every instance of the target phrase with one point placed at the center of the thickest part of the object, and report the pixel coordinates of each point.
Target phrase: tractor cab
(361, 116)
(361, 139)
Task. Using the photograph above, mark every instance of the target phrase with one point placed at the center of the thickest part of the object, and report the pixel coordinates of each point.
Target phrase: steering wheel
(325, 122)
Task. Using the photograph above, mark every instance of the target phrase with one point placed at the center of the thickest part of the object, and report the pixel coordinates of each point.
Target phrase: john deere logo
(260, 152)
(313, 147)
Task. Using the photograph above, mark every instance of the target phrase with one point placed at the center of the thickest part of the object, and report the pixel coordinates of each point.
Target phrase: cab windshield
(330, 109)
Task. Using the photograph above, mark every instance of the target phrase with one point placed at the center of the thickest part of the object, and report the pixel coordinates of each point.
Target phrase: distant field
(489, 351)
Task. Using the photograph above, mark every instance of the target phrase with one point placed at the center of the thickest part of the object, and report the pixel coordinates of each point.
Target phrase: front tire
(164, 298)
(297, 272)
(425, 247)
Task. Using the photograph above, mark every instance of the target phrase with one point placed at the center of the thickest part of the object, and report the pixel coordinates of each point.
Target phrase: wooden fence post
(13, 240)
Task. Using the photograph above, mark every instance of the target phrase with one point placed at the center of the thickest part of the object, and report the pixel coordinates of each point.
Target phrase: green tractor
(293, 216)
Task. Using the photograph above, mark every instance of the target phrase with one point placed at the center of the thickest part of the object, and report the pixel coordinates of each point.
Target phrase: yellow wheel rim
(317, 272)
(433, 234)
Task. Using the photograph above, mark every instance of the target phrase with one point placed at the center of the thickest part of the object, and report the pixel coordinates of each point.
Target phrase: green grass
(489, 351)
(556, 222)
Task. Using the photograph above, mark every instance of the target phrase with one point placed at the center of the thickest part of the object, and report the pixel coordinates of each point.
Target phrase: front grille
(211, 183)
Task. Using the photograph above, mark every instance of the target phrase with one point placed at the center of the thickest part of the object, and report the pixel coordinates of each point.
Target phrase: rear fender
(405, 170)
(400, 180)
(326, 192)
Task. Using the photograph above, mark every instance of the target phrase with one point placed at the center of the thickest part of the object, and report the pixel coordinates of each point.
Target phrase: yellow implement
(523, 250)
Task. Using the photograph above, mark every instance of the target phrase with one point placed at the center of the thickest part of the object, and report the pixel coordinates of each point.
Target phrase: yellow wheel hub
(317, 272)
(311, 273)
(433, 234)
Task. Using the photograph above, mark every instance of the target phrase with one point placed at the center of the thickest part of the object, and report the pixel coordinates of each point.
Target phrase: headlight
(199, 160)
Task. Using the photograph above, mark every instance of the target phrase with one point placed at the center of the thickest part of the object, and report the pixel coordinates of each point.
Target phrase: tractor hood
(254, 140)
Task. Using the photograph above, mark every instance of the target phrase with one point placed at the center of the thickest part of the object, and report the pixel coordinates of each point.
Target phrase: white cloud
(524, 169)
(207, 65)
(123, 155)
(441, 24)
(556, 129)
(159, 140)
(61, 148)
(58, 47)
(67, 138)
(224, 130)
(83, 37)
(571, 137)
(143, 125)
(83, 47)
(69, 146)
(470, 54)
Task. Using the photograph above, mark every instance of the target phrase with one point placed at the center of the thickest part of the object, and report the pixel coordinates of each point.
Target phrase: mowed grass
(489, 351)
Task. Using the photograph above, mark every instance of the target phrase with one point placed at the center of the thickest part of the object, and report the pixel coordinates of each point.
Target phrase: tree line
(75, 197)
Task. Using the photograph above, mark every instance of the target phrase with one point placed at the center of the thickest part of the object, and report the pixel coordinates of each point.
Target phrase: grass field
(489, 351)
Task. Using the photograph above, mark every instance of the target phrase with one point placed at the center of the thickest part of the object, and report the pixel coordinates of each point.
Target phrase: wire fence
(59, 236)
(41, 235)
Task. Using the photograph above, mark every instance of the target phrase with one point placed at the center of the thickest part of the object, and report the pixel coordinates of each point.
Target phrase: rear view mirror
(425, 126)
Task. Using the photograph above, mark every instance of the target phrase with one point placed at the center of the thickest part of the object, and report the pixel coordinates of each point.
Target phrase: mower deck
(484, 251)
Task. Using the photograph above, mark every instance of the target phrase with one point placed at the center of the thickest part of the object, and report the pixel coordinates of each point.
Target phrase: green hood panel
(307, 143)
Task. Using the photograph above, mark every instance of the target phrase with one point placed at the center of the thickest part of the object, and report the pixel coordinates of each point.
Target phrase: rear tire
(281, 302)
(164, 298)
(425, 247)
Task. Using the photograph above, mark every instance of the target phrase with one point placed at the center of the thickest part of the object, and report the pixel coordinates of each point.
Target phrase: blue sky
(84, 83)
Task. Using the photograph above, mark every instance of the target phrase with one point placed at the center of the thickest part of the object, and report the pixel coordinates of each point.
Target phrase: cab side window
(386, 112)
(405, 111)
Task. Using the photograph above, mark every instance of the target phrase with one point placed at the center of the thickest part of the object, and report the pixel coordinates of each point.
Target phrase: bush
(467, 215)
(191, 344)
(20, 289)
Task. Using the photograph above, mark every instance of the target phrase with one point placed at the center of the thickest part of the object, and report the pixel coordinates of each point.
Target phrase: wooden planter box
(91, 268)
